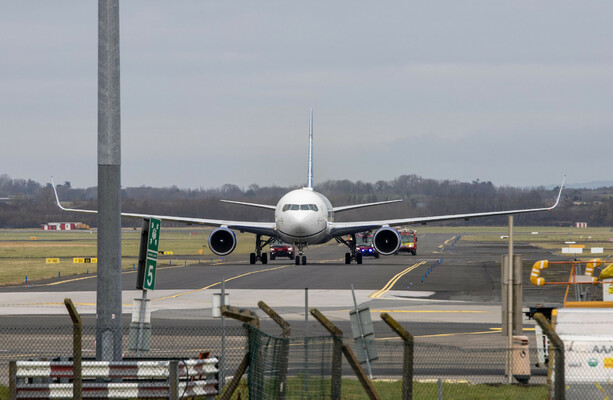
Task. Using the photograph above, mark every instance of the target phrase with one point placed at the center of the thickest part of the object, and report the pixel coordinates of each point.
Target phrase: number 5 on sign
(150, 275)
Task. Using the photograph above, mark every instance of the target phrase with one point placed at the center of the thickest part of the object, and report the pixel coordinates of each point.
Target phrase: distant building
(64, 226)
(580, 224)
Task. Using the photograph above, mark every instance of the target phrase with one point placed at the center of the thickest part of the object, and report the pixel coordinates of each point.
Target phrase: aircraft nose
(297, 224)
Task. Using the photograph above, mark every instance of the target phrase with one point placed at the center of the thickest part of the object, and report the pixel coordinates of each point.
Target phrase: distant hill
(586, 185)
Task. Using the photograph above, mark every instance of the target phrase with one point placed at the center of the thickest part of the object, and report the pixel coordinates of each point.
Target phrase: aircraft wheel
(347, 258)
(358, 258)
(297, 260)
(264, 258)
(304, 260)
(252, 258)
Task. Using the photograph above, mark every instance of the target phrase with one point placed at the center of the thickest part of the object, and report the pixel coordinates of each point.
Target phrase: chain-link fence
(52, 347)
(301, 368)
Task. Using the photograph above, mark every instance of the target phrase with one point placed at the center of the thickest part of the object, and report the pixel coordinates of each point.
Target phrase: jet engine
(222, 241)
(386, 241)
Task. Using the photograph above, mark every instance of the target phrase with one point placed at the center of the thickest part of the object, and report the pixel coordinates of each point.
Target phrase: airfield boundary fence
(462, 369)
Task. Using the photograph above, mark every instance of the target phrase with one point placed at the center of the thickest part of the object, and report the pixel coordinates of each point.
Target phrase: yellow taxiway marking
(393, 281)
(219, 283)
(175, 295)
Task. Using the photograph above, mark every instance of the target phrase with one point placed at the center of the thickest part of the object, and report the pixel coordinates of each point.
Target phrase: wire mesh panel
(176, 341)
(290, 368)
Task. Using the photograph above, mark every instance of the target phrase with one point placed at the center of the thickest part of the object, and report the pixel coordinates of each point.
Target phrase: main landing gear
(353, 254)
(300, 257)
(258, 255)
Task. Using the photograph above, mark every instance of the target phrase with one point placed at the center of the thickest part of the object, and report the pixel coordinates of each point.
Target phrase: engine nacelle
(222, 241)
(386, 241)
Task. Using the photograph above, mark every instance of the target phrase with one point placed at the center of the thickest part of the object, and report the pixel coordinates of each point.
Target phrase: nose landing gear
(258, 255)
(300, 257)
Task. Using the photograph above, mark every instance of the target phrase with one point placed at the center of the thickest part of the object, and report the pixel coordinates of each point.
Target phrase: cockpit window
(303, 207)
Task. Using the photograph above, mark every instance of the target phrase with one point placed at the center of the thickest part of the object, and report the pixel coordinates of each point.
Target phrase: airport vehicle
(364, 246)
(408, 241)
(305, 217)
(279, 249)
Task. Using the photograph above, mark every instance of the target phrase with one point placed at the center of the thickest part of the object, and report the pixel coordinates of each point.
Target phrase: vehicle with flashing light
(408, 241)
(280, 249)
(365, 246)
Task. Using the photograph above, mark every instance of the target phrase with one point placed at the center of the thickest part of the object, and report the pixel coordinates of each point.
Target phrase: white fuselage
(302, 216)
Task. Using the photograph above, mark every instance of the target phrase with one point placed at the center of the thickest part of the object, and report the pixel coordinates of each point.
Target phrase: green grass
(24, 252)
(351, 389)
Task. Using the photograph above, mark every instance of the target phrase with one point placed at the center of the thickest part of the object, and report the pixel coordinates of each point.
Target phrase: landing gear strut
(300, 257)
(258, 255)
(353, 254)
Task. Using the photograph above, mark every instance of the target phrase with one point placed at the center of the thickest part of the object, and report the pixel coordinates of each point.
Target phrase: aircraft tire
(304, 261)
(297, 260)
(252, 258)
(347, 258)
(264, 258)
(358, 258)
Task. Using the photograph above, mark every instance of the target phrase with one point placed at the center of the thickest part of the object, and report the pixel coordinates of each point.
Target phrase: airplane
(305, 217)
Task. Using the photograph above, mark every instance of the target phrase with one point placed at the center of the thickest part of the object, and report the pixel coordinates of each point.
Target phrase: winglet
(559, 194)
(310, 172)
(57, 198)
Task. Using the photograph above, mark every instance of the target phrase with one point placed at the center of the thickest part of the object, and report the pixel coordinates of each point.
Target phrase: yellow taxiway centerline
(393, 281)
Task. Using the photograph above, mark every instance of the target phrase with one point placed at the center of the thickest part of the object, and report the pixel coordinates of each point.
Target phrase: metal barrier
(127, 379)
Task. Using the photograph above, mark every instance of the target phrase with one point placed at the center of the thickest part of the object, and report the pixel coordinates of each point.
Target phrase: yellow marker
(589, 267)
(53, 260)
(535, 278)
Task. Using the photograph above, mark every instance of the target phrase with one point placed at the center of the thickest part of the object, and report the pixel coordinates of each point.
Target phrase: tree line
(31, 204)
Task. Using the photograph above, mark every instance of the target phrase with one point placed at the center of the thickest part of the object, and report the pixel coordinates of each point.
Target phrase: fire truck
(408, 241)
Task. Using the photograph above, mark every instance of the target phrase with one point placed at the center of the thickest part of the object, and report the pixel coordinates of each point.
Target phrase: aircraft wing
(355, 206)
(242, 203)
(347, 228)
(260, 228)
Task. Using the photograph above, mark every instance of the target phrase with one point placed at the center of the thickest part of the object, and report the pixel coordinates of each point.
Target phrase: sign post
(140, 332)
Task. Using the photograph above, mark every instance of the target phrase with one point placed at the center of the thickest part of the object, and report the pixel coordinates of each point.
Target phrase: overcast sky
(516, 92)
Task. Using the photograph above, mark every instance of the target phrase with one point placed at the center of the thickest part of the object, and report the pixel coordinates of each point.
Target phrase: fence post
(337, 348)
(559, 390)
(77, 330)
(12, 380)
(173, 380)
(336, 359)
(407, 363)
(252, 319)
(284, 348)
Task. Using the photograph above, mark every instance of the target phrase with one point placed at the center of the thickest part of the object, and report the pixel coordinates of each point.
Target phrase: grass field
(23, 253)
(551, 238)
(392, 390)
(352, 390)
